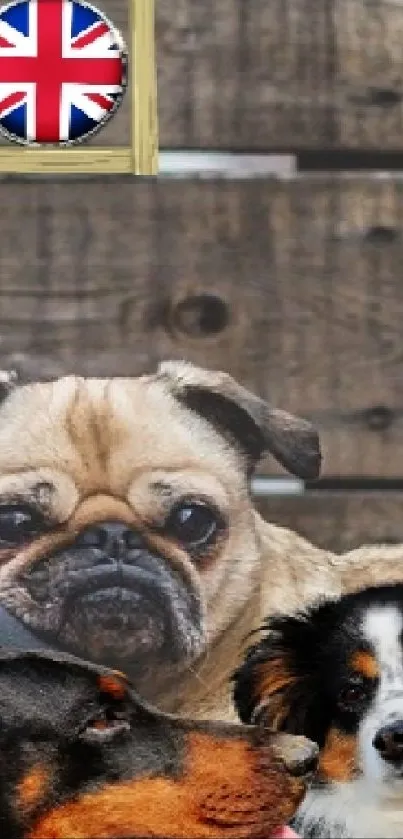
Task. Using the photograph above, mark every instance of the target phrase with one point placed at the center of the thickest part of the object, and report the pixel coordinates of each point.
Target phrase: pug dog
(128, 536)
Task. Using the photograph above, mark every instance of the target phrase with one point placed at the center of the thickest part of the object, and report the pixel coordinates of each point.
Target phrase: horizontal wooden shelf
(20, 160)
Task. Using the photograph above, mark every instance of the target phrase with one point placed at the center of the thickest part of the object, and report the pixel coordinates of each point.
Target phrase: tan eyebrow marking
(365, 664)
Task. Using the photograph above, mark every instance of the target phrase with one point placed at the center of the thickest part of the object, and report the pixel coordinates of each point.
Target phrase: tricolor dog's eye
(19, 523)
(194, 524)
(352, 695)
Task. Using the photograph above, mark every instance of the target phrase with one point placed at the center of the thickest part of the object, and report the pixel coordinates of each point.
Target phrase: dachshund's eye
(194, 524)
(104, 726)
(102, 723)
(18, 524)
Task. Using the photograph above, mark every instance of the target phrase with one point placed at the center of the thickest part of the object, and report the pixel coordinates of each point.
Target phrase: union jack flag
(62, 70)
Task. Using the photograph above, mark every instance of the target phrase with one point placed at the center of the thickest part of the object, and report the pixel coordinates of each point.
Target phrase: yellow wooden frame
(141, 157)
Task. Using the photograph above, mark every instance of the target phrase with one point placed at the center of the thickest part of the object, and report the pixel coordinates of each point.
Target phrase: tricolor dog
(335, 674)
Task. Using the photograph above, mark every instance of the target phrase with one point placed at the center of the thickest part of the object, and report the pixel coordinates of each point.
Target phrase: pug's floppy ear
(245, 419)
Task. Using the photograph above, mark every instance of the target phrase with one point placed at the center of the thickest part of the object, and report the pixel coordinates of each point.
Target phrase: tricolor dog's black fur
(335, 675)
(81, 755)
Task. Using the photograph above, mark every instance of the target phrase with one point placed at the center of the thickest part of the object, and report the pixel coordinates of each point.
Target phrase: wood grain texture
(368, 62)
(295, 287)
(339, 521)
(281, 74)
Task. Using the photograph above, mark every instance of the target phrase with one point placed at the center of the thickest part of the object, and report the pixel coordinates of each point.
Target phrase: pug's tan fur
(86, 450)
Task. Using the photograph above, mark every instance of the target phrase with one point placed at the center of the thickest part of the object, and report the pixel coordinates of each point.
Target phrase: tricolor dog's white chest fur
(335, 675)
(346, 811)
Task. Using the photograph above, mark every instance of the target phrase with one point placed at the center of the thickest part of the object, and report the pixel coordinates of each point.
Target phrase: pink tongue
(285, 833)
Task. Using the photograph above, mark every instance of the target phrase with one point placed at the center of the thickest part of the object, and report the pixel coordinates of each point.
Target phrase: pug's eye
(18, 524)
(194, 525)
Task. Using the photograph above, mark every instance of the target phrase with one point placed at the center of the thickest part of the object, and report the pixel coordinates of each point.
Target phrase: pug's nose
(112, 537)
(388, 741)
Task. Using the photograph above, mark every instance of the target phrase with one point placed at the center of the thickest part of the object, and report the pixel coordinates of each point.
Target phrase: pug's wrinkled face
(115, 529)
(126, 529)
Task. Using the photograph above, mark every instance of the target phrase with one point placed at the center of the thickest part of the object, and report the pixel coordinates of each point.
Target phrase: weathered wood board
(339, 521)
(293, 286)
(280, 74)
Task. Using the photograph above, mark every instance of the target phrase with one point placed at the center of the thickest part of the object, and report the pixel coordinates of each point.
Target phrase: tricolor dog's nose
(388, 741)
(110, 536)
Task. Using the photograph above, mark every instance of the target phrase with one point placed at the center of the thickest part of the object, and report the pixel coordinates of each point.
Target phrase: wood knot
(378, 418)
(200, 315)
(384, 97)
(381, 234)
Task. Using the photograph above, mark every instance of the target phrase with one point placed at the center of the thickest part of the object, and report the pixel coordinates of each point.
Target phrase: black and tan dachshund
(82, 756)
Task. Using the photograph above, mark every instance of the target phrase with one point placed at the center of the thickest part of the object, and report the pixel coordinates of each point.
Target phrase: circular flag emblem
(63, 71)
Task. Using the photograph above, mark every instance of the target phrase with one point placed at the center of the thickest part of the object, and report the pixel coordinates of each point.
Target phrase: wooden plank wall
(293, 284)
(290, 74)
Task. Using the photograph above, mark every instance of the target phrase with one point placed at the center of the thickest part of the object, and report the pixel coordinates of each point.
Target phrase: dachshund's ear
(245, 419)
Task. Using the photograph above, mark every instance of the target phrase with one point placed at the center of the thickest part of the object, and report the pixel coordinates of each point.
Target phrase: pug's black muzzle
(109, 599)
